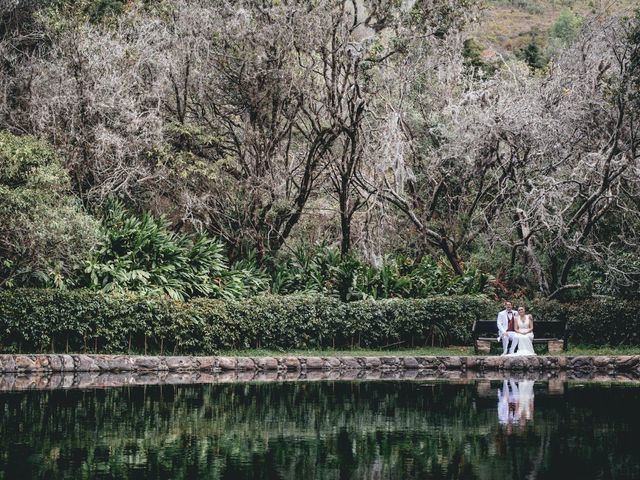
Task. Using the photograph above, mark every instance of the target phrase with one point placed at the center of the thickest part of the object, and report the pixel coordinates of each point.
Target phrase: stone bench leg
(556, 346)
(483, 346)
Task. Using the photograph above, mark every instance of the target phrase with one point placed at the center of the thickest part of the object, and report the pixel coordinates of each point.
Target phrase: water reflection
(80, 380)
(515, 403)
(381, 429)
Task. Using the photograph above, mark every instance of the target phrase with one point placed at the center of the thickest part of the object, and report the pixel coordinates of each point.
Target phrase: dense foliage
(44, 320)
(52, 320)
(44, 232)
(142, 254)
(326, 270)
(383, 129)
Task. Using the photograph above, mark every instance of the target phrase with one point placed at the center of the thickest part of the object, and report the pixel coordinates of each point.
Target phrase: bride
(524, 330)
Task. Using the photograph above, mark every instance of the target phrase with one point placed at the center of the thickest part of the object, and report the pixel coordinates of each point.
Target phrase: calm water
(332, 430)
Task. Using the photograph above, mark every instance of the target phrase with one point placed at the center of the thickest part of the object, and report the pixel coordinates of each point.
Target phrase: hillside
(509, 25)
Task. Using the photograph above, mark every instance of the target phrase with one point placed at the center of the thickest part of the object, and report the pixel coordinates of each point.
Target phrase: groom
(506, 328)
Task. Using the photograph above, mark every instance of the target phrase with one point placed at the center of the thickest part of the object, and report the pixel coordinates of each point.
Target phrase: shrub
(140, 253)
(566, 27)
(323, 269)
(39, 320)
(604, 322)
(44, 233)
(82, 320)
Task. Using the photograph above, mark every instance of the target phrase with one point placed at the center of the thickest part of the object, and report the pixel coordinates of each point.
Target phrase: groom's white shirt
(503, 322)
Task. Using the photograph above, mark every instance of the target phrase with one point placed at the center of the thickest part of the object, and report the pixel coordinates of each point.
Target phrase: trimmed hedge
(39, 320)
(604, 322)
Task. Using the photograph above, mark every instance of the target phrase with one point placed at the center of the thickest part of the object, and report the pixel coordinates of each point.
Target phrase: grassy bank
(427, 351)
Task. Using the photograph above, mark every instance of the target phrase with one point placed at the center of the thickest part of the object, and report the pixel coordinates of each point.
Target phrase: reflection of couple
(515, 402)
(515, 328)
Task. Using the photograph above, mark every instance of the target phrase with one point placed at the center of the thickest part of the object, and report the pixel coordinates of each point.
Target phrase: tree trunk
(531, 258)
(451, 253)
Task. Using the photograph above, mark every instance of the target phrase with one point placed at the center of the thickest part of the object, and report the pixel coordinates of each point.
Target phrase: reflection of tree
(310, 430)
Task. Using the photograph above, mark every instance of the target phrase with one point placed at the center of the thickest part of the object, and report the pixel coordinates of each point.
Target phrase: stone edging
(16, 363)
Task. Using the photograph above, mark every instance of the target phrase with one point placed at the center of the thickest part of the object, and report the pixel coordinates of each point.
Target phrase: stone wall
(17, 364)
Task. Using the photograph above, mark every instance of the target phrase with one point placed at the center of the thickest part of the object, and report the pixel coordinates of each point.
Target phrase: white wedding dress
(525, 340)
(525, 404)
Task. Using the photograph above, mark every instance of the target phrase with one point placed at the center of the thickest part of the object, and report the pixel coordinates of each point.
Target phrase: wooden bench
(554, 334)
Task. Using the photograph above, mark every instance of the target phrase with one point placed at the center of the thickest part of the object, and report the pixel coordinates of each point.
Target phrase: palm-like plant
(142, 253)
(324, 270)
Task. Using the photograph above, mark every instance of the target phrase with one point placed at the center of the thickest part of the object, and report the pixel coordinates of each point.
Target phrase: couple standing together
(515, 328)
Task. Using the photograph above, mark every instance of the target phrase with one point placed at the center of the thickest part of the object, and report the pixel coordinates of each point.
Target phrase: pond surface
(325, 430)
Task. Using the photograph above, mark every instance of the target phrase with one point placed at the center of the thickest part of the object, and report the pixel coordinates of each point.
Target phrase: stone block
(227, 363)
(84, 363)
(43, 362)
(535, 363)
(493, 362)
(102, 362)
(372, 363)
(450, 363)
(410, 363)
(562, 362)
(26, 363)
(555, 346)
(627, 363)
(349, 363)
(516, 363)
(583, 364)
(8, 363)
(55, 363)
(604, 363)
(121, 363)
(265, 363)
(389, 362)
(246, 364)
(429, 362)
(483, 346)
(205, 364)
(180, 363)
(150, 363)
(290, 363)
(332, 363)
(551, 362)
(68, 364)
(314, 363)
